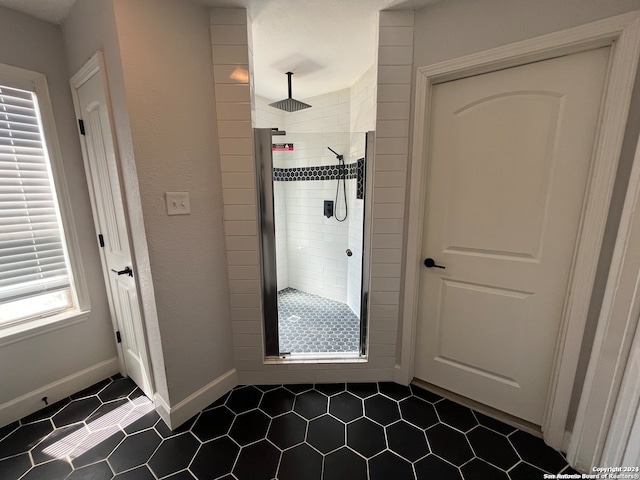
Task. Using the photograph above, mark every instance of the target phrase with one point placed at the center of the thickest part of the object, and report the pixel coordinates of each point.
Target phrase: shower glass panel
(313, 205)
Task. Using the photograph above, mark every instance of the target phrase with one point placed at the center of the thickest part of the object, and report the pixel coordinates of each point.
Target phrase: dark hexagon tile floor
(363, 431)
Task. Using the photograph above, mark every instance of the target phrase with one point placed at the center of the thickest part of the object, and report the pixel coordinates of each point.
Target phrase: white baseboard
(194, 403)
(400, 375)
(163, 409)
(32, 402)
(565, 442)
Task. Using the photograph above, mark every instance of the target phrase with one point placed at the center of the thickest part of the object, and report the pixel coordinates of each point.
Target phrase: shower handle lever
(430, 263)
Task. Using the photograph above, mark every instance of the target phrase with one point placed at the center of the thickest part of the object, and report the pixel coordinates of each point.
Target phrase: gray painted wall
(32, 363)
(166, 60)
(89, 27)
(158, 58)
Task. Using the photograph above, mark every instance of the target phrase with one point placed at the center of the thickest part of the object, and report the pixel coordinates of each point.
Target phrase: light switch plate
(178, 203)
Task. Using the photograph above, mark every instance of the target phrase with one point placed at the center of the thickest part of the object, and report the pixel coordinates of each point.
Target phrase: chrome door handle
(430, 263)
(126, 271)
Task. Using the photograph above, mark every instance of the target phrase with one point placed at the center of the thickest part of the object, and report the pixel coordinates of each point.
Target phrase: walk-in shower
(314, 205)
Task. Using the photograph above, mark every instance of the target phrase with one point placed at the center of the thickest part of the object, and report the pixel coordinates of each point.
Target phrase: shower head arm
(338, 156)
(289, 74)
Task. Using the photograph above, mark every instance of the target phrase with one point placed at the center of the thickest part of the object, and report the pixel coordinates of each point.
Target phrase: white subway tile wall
(282, 244)
(310, 248)
(317, 245)
(387, 84)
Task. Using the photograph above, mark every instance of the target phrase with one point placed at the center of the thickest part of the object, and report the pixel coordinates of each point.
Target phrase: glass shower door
(312, 203)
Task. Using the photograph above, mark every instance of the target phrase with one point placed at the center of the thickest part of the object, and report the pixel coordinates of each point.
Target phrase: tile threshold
(315, 359)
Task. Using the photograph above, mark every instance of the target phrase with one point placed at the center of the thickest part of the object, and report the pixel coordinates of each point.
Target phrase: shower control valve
(328, 208)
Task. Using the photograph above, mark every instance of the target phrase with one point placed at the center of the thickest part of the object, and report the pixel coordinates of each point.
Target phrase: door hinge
(101, 240)
(81, 125)
(118, 337)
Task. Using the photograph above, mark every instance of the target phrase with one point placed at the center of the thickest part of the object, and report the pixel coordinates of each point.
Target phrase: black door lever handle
(430, 263)
(126, 271)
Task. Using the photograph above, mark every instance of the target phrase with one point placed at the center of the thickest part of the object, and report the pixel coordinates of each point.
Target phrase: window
(36, 280)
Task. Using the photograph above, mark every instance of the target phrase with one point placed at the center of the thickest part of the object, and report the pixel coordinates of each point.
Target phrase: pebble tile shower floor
(309, 323)
(364, 431)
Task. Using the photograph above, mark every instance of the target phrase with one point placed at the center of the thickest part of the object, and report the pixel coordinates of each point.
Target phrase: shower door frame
(263, 157)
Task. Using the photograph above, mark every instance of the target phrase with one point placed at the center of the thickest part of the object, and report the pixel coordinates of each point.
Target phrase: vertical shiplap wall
(392, 144)
(231, 54)
(395, 60)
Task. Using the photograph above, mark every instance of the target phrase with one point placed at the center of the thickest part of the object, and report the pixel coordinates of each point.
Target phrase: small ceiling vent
(290, 104)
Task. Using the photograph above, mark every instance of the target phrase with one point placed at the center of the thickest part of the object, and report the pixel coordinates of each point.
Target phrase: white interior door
(508, 164)
(106, 199)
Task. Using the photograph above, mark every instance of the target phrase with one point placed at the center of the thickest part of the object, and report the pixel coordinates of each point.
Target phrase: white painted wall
(454, 28)
(30, 364)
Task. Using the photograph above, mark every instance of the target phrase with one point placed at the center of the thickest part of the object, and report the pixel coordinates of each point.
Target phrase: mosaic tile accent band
(360, 185)
(322, 172)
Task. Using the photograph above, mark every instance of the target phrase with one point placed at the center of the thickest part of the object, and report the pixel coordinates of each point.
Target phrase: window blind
(32, 253)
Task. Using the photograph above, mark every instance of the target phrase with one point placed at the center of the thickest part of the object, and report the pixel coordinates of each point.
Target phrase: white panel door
(106, 196)
(508, 165)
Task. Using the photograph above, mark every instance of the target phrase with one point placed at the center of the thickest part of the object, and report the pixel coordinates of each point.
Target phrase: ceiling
(328, 44)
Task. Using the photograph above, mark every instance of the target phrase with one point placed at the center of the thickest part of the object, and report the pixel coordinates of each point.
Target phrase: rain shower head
(290, 104)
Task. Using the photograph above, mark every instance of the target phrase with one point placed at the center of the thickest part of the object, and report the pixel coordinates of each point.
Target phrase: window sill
(17, 333)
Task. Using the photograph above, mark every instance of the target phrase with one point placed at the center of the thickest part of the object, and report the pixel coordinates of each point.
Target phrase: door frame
(609, 408)
(622, 33)
(96, 65)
